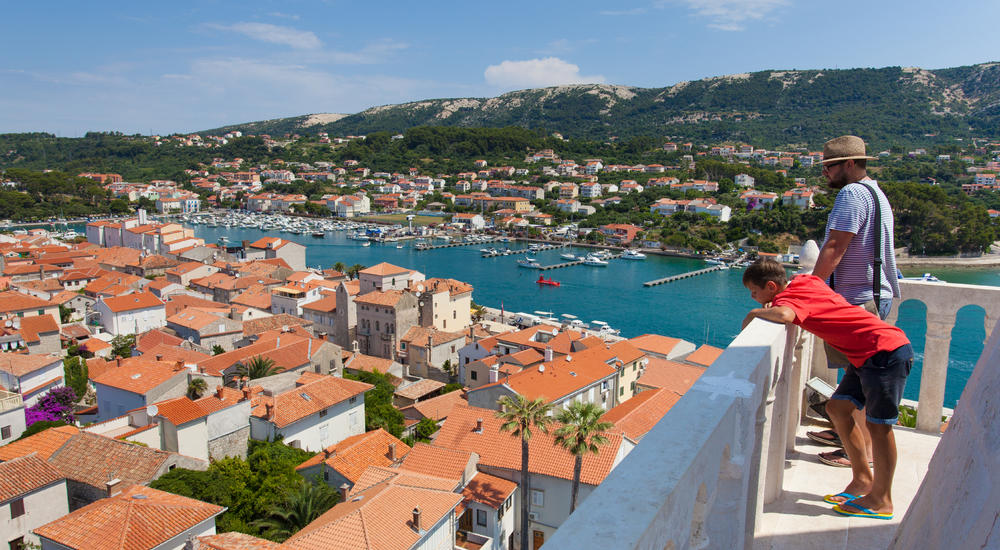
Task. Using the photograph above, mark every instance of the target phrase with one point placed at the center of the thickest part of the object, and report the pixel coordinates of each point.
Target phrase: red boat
(543, 281)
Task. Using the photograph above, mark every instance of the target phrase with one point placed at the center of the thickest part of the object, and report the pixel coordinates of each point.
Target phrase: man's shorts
(837, 360)
(877, 386)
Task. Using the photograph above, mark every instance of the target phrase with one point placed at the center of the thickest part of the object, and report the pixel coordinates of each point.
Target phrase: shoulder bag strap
(877, 271)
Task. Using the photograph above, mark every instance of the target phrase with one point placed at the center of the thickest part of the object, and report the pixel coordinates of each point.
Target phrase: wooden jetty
(525, 251)
(574, 262)
(673, 278)
(451, 245)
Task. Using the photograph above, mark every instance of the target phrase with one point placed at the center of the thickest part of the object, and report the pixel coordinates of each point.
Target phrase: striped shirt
(854, 212)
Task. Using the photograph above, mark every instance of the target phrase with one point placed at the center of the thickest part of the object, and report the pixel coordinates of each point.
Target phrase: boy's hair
(764, 270)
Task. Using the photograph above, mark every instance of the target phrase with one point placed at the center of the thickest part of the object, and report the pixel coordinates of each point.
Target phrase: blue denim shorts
(877, 386)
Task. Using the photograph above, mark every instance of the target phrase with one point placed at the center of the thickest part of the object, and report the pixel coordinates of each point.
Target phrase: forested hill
(889, 106)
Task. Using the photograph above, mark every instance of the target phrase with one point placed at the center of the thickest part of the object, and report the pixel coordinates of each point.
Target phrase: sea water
(706, 309)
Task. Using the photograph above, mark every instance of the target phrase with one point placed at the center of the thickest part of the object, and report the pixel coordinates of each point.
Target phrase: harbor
(673, 278)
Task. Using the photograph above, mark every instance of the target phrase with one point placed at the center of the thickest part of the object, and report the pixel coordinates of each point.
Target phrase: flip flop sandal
(847, 497)
(825, 437)
(837, 458)
(862, 512)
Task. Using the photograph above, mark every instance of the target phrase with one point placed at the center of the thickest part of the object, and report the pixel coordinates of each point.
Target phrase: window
(481, 517)
(17, 508)
(353, 399)
(466, 360)
(326, 474)
(5, 432)
(17, 544)
(41, 312)
(322, 413)
(454, 314)
(604, 385)
(621, 390)
(473, 375)
(402, 346)
(537, 498)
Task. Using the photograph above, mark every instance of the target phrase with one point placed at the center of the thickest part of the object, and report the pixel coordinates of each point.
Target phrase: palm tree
(339, 266)
(300, 507)
(257, 367)
(580, 434)
(519, 415)
(478, 312)
(354, 271)
(196, 387)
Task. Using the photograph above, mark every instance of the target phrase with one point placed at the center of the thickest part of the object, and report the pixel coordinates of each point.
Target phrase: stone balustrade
(700, 477)
(10, 401)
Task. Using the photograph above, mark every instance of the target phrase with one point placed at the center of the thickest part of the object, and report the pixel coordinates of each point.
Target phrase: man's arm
(832, 252)
(779, 314)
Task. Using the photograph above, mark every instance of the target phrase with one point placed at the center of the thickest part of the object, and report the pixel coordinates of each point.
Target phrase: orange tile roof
(256, 296)
(489, 490)
(179, 302)
(352, 456)
(655, 343)
(19, 364)
(376, 475)
(138, 518)
(502, 450)
(94, 459)
(132, 302)
(368, 363)
(293, 405)
(180, 410)
(380, 298)
(325, 305)
(11, 301)
(705, 355)
(452, 286)
(224, 397)
(639, 414)
(420, 388)
(22, 475)
(252, 327)
(44, 443)
(380, 519)
(384, 269)
(437, 408)
(437, 461)
(236, 541)
(170, 353)
(152, 338)
(139, 375)
(670, 375)
(418, 335)
(194, 318)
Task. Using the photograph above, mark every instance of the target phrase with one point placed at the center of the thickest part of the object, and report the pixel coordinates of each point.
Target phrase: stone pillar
(989, 323)
(935, 370)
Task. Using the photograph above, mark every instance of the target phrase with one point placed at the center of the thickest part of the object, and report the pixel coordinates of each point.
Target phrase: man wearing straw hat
(857, 252)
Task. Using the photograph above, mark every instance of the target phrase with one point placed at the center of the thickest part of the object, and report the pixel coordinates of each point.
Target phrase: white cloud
(633, 11)
(284, 15)
(729, 15)
(536, 73)
(275, 34)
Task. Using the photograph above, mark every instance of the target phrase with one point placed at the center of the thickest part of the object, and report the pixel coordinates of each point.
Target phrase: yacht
(595, 261)
(633, 255)
(569, 257)
(529, 262)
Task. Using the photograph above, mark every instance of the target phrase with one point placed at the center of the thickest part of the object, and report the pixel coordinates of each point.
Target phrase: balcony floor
(800, 519)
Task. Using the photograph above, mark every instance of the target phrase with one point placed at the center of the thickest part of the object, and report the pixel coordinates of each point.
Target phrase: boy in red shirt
(880, 357)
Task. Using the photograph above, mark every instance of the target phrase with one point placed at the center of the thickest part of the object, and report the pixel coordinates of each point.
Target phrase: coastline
(986, 260)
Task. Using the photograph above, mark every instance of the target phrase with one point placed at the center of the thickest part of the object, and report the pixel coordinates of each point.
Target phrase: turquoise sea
(706, 309)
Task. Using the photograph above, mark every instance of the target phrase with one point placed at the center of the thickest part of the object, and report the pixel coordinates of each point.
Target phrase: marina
(672, 278)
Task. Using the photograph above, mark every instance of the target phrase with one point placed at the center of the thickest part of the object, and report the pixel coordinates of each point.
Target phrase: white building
(320, 411)
(31, 376)
(744, 180)
(32, 494)
(132, 313)
(12, 422)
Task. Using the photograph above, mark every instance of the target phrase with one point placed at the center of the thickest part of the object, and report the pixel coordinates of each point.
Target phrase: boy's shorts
(877, 386)
(835, 359)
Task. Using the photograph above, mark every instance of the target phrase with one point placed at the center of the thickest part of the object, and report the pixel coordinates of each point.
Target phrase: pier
(452, 245)
(673, 278)
(574, 262)
(524, 250)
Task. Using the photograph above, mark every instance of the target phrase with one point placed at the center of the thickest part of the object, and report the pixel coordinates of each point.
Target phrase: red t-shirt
(851, 329)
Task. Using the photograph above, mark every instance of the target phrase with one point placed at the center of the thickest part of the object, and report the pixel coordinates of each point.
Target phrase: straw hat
(844, 148)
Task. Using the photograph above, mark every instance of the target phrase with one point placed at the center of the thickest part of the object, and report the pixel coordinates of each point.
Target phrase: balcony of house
(10, 401)
(729, 466)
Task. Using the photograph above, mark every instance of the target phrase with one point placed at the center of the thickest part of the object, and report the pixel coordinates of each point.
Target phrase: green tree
(478, 312)
(65, 314)
(217, 349)
(580, 434)
(354, 271)
(75, 373)
(519, 416)
(379, 411)
(121, 345)
(339, 266)
(426, 428)
(304, 503)
(196, 388)
(257, 367)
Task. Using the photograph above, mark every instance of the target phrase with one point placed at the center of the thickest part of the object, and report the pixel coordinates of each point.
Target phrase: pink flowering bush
(56, 405)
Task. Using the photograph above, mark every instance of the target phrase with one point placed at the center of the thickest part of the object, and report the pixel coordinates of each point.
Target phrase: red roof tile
(132, 302)
(22, 475)
(352, 456)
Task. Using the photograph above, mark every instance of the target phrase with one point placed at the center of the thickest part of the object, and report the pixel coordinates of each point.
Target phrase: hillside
(891, 105)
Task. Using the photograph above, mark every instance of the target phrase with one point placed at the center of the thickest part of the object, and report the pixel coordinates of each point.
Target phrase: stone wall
(233, 444)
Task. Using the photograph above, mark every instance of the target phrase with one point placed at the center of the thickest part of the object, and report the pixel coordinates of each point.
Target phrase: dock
(452, 245)
(673, 278)
(525, 250)
(574, 262)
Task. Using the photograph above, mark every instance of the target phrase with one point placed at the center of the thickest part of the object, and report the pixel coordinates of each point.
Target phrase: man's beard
(839, 182)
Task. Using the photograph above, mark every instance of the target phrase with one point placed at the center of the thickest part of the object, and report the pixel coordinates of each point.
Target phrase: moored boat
(543, 281)
(633, 255)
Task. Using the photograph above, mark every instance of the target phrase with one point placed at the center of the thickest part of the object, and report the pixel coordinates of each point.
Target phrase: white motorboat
(633, 255)
(595, 261)
(366, 243)
(529, 262)
(568, 256)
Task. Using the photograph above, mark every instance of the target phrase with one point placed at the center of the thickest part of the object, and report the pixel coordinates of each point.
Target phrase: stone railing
(10, 401)
(700, 477)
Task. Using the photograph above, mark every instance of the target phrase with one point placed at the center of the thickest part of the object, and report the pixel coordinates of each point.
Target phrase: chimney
(178, 366)
(309, 351)
(218, 392)
(246, 394)
(494, 373)
(268, 411)
(392, 452)
(548, 354)
(159, 357)
(328, 452)
(479, 425)
(113, 487)
(416, 519)
(118, 362)
(232, 313)
(343, 492)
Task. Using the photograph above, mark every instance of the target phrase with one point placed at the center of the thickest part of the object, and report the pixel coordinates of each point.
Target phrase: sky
(166, 67)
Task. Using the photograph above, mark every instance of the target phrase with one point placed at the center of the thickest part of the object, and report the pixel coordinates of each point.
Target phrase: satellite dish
(152, 410)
